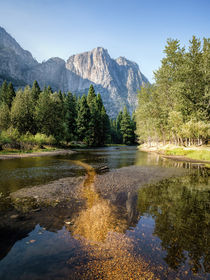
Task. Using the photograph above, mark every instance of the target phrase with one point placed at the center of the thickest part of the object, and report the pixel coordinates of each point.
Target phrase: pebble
(14, 216)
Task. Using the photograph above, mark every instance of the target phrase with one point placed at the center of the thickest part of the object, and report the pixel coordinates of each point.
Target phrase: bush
(42, 139)
(10, 138)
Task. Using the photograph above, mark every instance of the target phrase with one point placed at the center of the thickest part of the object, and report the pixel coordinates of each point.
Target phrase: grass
(35, 150)
(193, 154)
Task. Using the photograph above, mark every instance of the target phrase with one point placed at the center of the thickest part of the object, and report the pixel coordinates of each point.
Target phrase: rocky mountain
(116, 79)
(14, 61)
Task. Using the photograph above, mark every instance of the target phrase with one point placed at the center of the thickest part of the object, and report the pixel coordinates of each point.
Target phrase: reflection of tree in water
(100, 227)
(181, 209)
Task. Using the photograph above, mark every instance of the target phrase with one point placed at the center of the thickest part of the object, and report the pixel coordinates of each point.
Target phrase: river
(117, 213)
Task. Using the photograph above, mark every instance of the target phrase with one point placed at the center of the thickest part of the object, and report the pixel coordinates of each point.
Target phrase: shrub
(42, 139)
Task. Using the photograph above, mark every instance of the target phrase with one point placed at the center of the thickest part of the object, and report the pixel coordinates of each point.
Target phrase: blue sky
(135, 29)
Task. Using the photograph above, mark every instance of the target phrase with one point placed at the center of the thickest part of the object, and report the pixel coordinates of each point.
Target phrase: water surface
(160, 231)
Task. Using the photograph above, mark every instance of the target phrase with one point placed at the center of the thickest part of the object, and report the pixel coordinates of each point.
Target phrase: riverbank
(20, 154)
(190, 154)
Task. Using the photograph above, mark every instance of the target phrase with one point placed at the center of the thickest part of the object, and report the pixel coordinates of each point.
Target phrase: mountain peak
(100, 49)
(10, 44)
(116, 80)
(121, 60)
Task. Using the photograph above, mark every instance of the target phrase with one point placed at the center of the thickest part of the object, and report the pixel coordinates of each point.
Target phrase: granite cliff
(116, 79)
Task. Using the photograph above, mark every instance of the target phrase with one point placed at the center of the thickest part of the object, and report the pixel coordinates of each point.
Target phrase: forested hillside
(176, 109)
(33, 117)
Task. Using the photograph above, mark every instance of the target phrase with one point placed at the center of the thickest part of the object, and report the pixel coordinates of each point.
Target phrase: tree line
(33, 115)
(176, 108)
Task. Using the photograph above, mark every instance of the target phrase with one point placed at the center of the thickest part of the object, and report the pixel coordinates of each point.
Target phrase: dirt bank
(37, 154)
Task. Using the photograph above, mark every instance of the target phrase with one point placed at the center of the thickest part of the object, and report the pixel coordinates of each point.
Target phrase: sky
(135, 29)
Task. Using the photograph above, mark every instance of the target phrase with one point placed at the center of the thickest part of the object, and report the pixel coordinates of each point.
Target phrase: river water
(122, 230)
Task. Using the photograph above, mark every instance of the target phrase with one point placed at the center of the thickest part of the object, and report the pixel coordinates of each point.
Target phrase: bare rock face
(14, 61)
(52, 72)
(117, 80)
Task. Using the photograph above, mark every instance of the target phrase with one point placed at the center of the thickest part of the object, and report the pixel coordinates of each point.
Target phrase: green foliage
(83, 120)
(91, 95)
(49, 115)
(4, 116)
(22, 111)
(180, 209)
(35, 91)
(7, 94)
(193, 154)
(45, 117)
(126, 127)
(176, 108)
(42, 139)
(10, 136)
(3, 92)
(70, 112)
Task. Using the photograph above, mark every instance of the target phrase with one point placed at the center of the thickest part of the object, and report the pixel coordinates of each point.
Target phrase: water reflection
(111, 238)
(19, 173)
(181, 210)
(100, 228)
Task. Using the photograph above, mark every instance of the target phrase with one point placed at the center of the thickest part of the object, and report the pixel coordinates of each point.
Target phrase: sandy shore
(37, 154)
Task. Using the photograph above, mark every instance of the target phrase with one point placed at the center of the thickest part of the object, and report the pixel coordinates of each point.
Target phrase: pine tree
(10, 95)
(105, 138)
(35, 91)
(113, 132)
(118, 128)
(70, 104)
(49, 89)
(3, 92)
(126, 127)
(91, 95)
(205, 68)
(83, 121)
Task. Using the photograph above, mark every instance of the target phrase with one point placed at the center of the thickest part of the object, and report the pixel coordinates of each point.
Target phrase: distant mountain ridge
(116, 79)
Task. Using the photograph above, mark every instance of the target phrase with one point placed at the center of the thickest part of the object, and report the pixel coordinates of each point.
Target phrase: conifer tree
(118, 127)
(91, 95)
(3, 92)
(70, 104)
(105, 138)
(205, 68)
(126, 127)
(83, 120)
(10, 95)
(35, 91)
